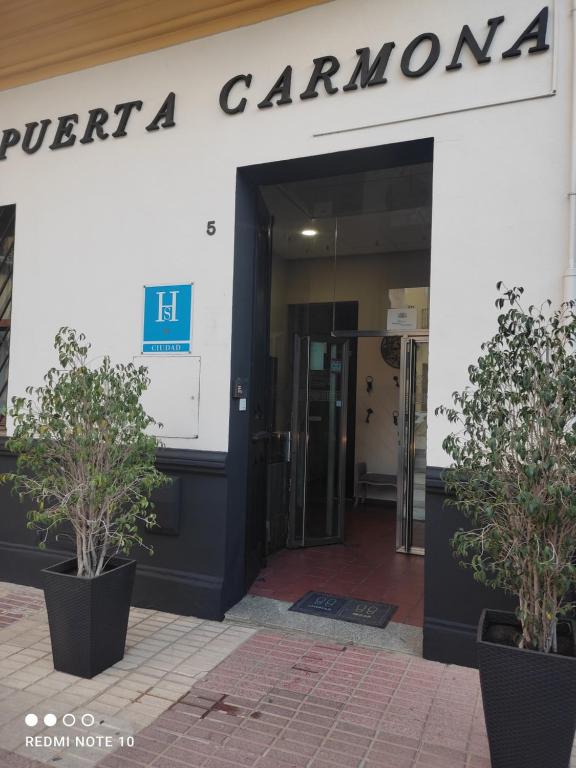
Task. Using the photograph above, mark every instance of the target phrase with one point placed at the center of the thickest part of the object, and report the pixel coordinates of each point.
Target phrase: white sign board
(173, 397)
(404, 319)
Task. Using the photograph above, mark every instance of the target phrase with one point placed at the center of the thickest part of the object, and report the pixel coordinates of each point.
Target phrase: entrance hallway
(366, 566)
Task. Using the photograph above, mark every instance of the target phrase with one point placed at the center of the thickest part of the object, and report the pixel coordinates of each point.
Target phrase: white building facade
(130, 174)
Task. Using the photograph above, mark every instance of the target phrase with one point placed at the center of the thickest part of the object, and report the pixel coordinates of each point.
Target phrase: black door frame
(244, 330)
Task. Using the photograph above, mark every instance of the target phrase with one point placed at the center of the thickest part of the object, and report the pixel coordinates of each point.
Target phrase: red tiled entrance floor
(282, 702)
(366, 566)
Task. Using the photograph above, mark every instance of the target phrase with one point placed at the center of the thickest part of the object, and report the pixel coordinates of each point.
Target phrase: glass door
(413, 427)
(318, 460)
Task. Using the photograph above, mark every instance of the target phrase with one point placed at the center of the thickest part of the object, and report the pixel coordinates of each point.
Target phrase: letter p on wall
(10, 137)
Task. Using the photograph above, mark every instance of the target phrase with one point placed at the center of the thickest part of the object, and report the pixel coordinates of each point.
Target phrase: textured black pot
(88, 617)
(529, 701)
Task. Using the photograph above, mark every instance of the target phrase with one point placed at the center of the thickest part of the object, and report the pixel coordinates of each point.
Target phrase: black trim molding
(179, 459)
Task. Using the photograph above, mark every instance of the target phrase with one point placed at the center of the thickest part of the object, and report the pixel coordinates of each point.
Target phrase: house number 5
(211, 228)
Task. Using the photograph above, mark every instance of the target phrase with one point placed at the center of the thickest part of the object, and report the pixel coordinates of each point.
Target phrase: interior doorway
(339, 392)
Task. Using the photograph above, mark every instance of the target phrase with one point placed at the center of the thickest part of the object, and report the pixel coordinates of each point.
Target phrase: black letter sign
(370, 74)
(96, 122)
(280, 88)
(430, 61)
(225, 93)
(535, 31)
(165, 113)
(29, 135)
(320, 75)
(125, 110)
(467, 37)
(64, 136)
(10, 137)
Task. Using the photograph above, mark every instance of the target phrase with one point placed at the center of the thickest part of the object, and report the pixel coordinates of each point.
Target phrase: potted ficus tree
(514, 476)
(86, 461)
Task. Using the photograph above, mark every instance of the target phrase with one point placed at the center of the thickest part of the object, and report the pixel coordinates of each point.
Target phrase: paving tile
(171, 759)
(116, 761)
(125, 699)
(211, 695)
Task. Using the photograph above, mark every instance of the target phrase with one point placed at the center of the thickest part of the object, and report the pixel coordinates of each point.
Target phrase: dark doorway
(324, 248)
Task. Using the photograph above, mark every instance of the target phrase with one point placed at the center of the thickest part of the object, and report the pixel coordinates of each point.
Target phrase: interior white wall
(366, 279)
(376, 440)
(97, 222)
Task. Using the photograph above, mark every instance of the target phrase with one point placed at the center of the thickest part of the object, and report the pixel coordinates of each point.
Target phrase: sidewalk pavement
(214, 695)
(165, 655)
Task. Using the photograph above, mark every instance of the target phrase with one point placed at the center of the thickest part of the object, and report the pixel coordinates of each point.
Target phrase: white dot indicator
(50, 720)
(69, 720)
(88, 720)
(31, 720)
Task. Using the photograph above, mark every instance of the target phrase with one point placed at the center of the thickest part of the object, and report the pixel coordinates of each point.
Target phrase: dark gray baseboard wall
(453, 600)
(187, 572)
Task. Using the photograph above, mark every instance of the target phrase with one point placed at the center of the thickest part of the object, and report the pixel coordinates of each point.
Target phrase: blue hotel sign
(167, 318)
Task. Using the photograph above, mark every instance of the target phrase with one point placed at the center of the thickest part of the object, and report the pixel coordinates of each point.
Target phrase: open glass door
(319, 418)
(413, 427)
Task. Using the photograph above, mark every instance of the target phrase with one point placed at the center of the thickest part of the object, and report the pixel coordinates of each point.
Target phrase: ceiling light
(309, 232)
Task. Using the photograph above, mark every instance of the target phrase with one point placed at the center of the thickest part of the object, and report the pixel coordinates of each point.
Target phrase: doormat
(366, 612)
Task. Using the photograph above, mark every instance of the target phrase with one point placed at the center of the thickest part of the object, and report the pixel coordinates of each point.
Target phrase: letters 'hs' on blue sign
(167, 318)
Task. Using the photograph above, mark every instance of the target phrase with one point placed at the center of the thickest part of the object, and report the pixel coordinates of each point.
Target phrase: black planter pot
(529, 701)
(88, 617)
